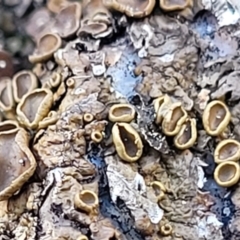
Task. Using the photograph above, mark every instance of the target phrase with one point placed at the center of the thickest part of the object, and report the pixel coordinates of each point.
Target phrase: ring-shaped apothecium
(216, 117)
(227, 173)
(227, 150)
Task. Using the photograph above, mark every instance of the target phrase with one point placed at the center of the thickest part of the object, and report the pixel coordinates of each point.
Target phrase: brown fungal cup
(34, 107)
(88, 117)
(160, 106)
(68, 20)
(47, 45)
(6, 97)
(96, 136)
(187, 135)
(159, 189)
(127, 142)
(87, 201)
(216, 117)
(227, 150)
(8, 125)
(135, 8)
(23, 82)
(227, 173)
(166, 229)
(174, 5)
(121, 113)
(17, 161)
(174, 119)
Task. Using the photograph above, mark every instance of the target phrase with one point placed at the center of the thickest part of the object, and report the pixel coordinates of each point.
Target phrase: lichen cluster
(58, 116)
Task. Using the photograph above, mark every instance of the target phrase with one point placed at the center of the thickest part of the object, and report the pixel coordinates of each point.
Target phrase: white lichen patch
(129, 186)
(226, 11)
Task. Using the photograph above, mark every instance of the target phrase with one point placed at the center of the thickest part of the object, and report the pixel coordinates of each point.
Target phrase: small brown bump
(174, 119)
(136, 8)
(96, 136)
(47, 45)
(127, 142)
(216, 117)
(121, 113)
(227, 173)
(227, 150)
(23, 82)
(187, 135)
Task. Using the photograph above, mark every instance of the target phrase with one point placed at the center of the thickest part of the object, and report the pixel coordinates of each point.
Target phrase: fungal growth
(87, 201)
(68, 20)
(47, 45)
(135, 8)
(174, 5)
(56, 5)
(17, 161)
(216, 117)
(121, 113)
(159, 190)
(82, 237)
(174, 118)
(127, 142)
(166, 229)
(23, 82)
(161, 105)
(227, 150)
(96, 136)
(227, 173)
(6, 98)
(96, 21)
(8, 125)
(187, 135)
(34, 107)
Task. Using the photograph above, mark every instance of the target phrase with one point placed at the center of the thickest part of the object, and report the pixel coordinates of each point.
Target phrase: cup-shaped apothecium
(216, 117)
(174, 119)
(227, 173)
(227, 150)
(127, 142)
(6, 98)
(174, 5)
(87, 201)
(136, 8)
(121, 113)
(159, 189)
(47, 45)
(166, 229)
(34, 107)
(187, 135)
(23, 83)
(17, 161)
(67, 20)
(96, 136)
(8, 125)
(161, 105)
